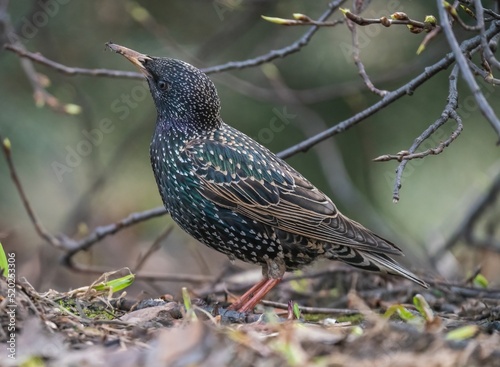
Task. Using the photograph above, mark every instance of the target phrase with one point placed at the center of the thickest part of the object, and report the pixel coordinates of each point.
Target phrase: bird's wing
(257, 184)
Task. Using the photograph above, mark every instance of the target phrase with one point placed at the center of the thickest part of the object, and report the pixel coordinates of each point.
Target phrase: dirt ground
(346, 318)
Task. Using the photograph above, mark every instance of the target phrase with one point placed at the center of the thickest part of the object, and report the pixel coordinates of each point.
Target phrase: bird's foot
(254, 295)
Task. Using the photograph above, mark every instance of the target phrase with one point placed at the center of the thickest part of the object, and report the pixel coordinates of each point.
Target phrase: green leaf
(423, 307)
(188, 305)
(296, 310)
(116, 284)
(480, 281)
(462, 333)
(186, 299)
(3, 262)
(275, 20)
(402, 312)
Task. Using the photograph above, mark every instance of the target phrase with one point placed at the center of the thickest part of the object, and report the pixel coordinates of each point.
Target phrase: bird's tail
(373, 261)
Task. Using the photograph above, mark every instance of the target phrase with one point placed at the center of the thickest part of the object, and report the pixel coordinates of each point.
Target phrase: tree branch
(71, 71)
(406, 89)
(448, 112)
(294, 47)
(458, 53)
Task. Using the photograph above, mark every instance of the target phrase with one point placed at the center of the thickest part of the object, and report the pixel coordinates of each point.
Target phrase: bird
(236, 196)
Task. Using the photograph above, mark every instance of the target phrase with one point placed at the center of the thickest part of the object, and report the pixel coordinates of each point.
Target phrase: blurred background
(75, 186)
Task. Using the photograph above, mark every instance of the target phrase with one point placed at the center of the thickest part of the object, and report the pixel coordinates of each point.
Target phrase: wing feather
(270, 191)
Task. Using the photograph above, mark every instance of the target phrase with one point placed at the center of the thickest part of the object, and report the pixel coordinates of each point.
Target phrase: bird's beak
(134, 57)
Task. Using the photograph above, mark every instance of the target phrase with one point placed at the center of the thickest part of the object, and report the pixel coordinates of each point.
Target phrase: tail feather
(372, 261)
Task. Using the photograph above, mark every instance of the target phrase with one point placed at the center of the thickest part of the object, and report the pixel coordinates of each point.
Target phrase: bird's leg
(247, 295)
(272, 272)
(256, 296)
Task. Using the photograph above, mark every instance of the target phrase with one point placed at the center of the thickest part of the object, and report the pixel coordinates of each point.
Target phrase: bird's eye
(162, 85)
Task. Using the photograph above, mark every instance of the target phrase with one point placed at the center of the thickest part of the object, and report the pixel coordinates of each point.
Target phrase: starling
(237, 197)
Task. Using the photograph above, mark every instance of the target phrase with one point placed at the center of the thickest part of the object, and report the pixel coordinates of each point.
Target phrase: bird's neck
(186, 130)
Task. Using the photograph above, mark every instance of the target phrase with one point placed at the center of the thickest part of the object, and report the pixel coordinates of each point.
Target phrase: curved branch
(449, 112)
(408, 88)
(294, 47)
(484, 43)
(68, 70)
(274, 54)
(483, 105)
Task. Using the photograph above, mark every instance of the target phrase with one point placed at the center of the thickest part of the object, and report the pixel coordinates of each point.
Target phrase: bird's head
(183, 95)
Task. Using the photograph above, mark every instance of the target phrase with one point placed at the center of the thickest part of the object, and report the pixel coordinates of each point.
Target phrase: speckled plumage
(237, 197)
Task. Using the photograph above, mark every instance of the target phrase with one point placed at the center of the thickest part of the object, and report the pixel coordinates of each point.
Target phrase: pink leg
(254, 295)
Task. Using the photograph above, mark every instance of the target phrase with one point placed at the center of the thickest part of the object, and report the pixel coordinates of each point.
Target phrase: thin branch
(39, 228)
(406, 89)
(71, 71)
(63, 242)
(40, 94)
(313, 310)
(486, 75)
(145, 276)
(398, 18)
(103, 231)
(427, 39)
(449, 112)
(309, 96)
(458, 53)
(484, 42)
(406, 155)
(285, 51)
(357, 61)
(274, 54)
(301, 20)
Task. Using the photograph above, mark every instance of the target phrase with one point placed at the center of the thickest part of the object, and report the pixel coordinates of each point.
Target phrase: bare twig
(484, 42)
(487, 76)
(406, 89)
(71, 71)
(285, 51)
(301, 20)
(63, 242)
(39, 228)
(458, 53)
(357, 61)
(399, 18)
(110, 229)
(313, 310)
(40, 94)
(145, 276)
(428, 38)
(448, 113)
